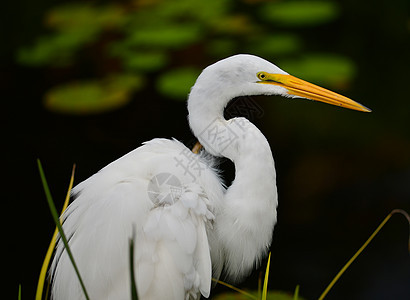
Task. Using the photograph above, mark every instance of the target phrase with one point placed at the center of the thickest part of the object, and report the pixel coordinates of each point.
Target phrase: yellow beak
(301, 88)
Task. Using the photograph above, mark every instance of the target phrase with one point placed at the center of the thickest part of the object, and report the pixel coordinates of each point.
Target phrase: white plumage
(188, 226)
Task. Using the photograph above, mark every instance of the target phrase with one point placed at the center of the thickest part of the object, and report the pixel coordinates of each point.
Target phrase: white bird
(188, 225)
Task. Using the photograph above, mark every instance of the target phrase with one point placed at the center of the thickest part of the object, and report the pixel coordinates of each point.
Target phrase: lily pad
(169, 36)
(300, 13)
(80, 16)
(177, 83)
(76, 25)
(334, 70)
(145, 61)
(221, 47)
(275, 45)
(92, 96)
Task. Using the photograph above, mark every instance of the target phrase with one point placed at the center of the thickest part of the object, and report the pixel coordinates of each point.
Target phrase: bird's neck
(249, 212)
(237, 139)
(207, 121)
(248, 209)
(249, 205)
(221, 137)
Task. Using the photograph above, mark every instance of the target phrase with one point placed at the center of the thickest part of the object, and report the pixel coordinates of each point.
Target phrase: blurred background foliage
(85, 82)
(137, 39)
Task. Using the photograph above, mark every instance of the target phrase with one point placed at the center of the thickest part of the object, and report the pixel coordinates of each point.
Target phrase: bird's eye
(261, 75)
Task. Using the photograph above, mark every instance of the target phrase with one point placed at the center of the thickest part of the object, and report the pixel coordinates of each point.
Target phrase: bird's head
(248, 75)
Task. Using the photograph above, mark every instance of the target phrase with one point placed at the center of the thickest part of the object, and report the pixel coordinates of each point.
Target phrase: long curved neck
(248, 210)
(205, 115)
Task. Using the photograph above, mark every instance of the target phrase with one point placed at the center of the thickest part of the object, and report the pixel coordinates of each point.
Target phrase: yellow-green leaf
(92, 96)
(275, 45)
(177, 83)
(332, 70)
(300, 13)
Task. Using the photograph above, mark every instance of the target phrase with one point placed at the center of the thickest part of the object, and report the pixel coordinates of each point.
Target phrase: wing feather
(172, 259)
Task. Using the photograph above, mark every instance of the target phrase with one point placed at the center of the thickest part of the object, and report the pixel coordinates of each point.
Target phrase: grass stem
(235, 289)
(336, 278)
(46, 262)
(58, 224)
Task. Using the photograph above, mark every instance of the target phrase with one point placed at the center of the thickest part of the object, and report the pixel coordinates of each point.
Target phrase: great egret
(188, 225)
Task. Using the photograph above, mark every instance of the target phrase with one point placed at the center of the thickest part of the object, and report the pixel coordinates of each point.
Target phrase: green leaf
(221, 47)
(169, 36)
(202, 11)
(54, 213)
(57, 49)
(296, 293)
(93, 96)
(82, 16)
(75, 26)
(145, 61)
(334, 70)
(234, 25)
(300, 13)
(265, 281)
(275, 45)
(46, 262)
(177, 83)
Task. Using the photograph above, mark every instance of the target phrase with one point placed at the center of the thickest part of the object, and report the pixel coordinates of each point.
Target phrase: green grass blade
(265, 282)
(235, 289)
(336, 278)
(296, 293)
(46, 262)
(58, 224)
(19, 295)
(265, 285)
(134, 295)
